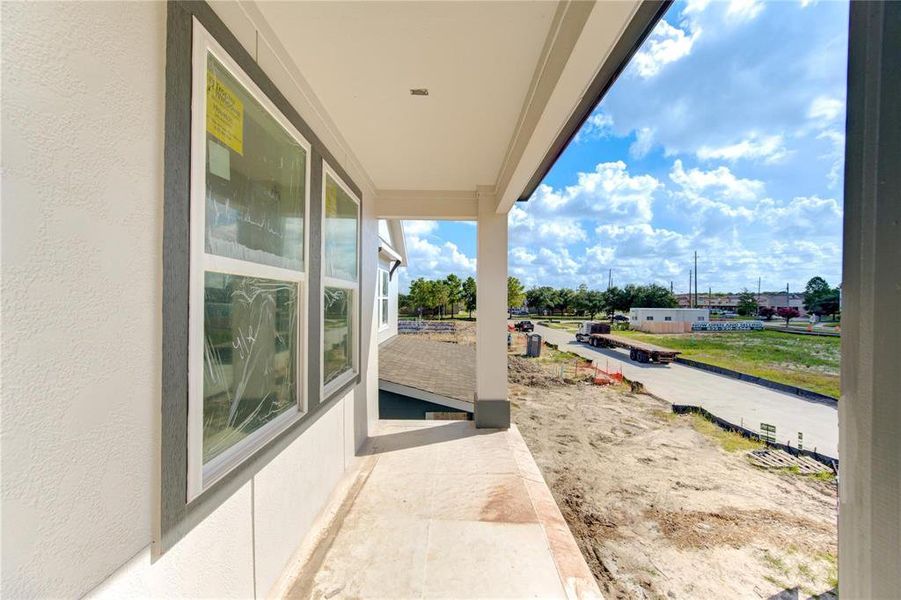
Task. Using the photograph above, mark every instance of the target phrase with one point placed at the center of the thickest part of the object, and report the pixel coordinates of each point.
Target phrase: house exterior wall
(82, 189)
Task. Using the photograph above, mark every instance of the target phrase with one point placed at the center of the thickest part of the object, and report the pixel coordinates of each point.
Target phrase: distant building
(729, 301)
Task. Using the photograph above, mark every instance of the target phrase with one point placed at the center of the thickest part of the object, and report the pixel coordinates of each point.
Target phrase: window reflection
(250, 356)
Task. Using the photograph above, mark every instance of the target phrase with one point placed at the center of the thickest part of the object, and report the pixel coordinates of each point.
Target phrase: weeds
(728, 440)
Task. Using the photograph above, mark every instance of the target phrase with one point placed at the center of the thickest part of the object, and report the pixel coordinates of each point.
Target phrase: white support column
(492, 409)
(870, 408)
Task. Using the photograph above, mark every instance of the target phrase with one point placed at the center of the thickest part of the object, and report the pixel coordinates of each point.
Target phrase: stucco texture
(82, 121)
(82, 196)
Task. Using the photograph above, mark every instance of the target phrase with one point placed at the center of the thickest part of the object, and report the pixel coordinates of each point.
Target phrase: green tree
(564, 300)
(594, 303)
(827, 304)
(454, 291)
(515, 293)
(651, 296)
(540, 298)
(815, 289)
(403, 303)
(747, 303)
(616, 300)
(469, 294)
(422, 296)
(441, 296)
(819, 298)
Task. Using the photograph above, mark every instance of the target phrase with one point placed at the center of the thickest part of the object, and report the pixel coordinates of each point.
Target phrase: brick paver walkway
(442, 368)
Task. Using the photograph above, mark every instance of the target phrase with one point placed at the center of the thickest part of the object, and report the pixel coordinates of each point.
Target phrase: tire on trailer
(633, 354)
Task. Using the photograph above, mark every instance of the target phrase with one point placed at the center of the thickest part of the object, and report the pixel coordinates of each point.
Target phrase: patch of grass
(826, 475)
(728, 440)
(777, 582)
(808, 362)
(804, 571)
(774, 562)
(665, 415)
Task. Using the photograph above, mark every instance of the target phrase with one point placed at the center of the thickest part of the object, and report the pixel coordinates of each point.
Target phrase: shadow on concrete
(425, 436)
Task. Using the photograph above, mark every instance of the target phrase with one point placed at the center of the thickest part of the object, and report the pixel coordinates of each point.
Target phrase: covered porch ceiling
(505, 80)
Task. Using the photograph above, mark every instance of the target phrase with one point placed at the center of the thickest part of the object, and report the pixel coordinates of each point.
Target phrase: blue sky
(724, 135)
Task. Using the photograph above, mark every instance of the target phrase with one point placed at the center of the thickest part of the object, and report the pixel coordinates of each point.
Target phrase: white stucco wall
(676, 315)
(82, 121)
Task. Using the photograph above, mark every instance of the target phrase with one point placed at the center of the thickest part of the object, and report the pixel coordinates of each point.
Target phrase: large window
(383, 287)
(340, 282)
(249, 205)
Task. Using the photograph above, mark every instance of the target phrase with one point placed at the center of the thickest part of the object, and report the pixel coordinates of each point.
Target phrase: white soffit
(477, 59)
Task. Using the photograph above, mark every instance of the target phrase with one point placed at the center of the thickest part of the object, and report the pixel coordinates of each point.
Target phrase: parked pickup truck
(599, 336)
(524, 326)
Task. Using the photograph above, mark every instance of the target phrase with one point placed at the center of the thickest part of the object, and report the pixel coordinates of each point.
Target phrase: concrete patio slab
(445, 510)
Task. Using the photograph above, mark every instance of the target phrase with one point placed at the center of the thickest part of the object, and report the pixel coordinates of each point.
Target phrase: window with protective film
(340, 282)
(249, 207)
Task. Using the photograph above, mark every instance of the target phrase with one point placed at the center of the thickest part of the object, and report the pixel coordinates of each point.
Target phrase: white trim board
(417, 394)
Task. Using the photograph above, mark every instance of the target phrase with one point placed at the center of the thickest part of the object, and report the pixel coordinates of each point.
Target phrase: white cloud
(644, 141)
(420, 228)
(825, 110)
(432, 258)
(665, 45)
(608, 191)
(836, 155)
(739, 11)
(611, 190)
(720, 183)
(567, 231)
(769, 149)
(599, 125)
(521, 256)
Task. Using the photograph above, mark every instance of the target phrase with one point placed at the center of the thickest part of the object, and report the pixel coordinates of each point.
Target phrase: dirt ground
(660, 507)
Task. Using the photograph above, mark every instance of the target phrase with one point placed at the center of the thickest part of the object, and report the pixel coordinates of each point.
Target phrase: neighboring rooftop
(441, 370)
(444, 510)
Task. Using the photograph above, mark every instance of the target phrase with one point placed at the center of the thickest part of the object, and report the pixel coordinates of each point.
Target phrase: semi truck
(598, 335)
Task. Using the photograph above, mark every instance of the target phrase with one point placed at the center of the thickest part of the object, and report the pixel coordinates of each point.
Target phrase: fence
(426, 327)
(727, 326)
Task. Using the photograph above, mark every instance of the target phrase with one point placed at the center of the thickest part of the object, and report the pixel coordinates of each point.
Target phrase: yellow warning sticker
(224, 113)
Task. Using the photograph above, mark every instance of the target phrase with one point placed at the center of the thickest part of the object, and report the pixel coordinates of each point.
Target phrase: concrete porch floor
(445, 510)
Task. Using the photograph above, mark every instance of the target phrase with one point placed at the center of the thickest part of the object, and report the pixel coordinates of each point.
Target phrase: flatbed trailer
(638, 351)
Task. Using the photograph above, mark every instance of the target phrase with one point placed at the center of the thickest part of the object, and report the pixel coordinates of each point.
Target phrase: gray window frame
(177, 516)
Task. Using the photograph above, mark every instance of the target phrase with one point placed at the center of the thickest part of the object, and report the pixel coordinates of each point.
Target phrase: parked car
(620, 318)
(524, 326)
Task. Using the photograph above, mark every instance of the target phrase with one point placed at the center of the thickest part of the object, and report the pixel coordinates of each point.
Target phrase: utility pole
(610, 279)
(709, 296)
(691, 303)
(670, 286)
(788, 302)
(696, 278)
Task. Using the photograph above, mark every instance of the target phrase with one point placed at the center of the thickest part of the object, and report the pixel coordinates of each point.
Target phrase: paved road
(736, 401)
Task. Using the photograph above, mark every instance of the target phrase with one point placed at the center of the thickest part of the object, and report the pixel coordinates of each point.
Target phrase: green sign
(768, 433)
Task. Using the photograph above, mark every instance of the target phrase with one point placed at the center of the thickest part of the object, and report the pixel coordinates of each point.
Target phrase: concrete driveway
(736, 401)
